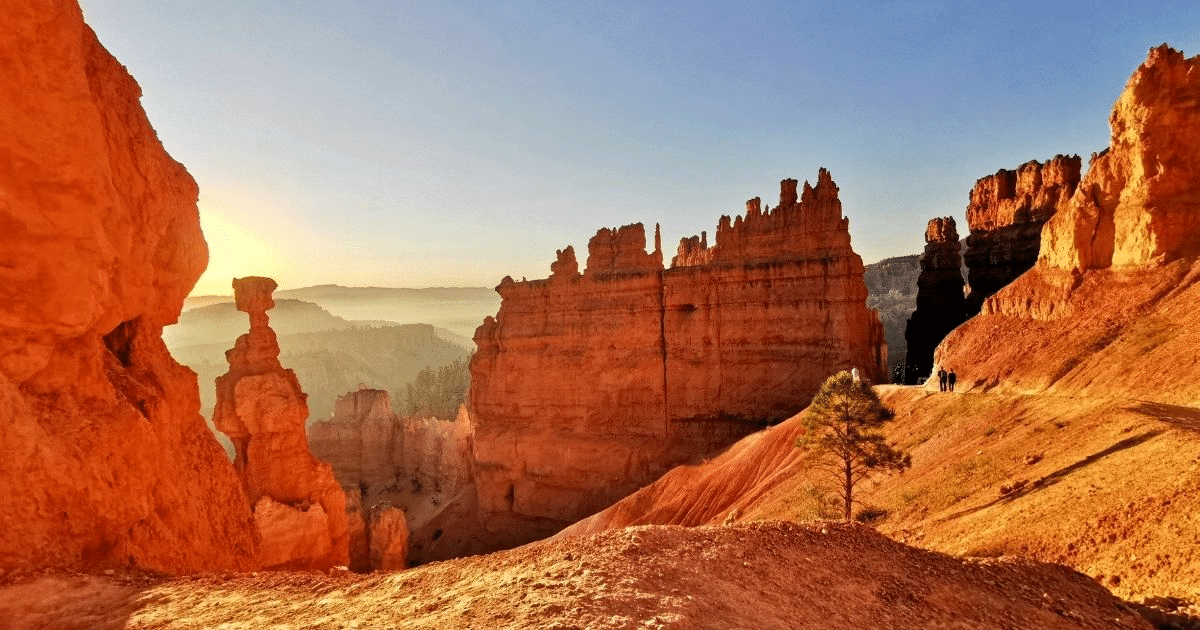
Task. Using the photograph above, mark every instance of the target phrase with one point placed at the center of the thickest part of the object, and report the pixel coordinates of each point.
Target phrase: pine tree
(842, 428)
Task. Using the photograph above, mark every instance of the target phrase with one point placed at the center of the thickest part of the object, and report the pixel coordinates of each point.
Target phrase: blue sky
(453, 143)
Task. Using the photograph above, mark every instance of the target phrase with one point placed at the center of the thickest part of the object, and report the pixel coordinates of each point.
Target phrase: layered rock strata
(1109, 306)
(940, 302)
(421, 465)
(299, 508)
(587, 386)
(1005, 219)
(105, 460)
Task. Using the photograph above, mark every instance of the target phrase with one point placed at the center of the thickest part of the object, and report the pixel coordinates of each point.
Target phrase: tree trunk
(847, 491)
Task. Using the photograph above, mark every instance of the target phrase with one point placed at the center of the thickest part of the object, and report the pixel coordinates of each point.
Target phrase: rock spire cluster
(299, 508)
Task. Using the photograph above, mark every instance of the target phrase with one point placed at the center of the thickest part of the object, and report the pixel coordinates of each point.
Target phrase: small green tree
(842, 428)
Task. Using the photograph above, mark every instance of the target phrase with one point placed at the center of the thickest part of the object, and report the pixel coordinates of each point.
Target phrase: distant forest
(437, 393)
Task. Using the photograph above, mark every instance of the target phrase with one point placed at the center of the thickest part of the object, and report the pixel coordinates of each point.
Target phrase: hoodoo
(299, 508)
(105, 460)
(939, 297)
(588, 386)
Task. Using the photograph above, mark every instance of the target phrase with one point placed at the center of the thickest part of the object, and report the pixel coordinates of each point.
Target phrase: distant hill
(460, 310)
(892, 289)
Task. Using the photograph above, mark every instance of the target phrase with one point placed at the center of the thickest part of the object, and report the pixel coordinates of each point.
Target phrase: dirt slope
(1110, 487)
(764, 575)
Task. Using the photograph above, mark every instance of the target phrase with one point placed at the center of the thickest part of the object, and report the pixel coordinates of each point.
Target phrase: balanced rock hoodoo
(587, 386)
(299, 508)
(105, 460)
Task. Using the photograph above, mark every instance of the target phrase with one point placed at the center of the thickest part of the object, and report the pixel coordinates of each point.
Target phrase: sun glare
(234, 250)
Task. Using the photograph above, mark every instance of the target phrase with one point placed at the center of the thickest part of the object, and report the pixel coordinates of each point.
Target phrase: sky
(452, 143)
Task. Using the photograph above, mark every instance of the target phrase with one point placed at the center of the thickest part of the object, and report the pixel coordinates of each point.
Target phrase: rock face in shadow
(1110, 304)
(588, 386)
(1005, 218)
(940, 302)
(106, 461)
(892, 291)
(417, 464)
(299, 508)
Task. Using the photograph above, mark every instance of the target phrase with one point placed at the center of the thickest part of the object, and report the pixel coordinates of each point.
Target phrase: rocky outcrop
(940, 303)
(417, 464)
(389, 538)
(586, 387)
(1108, 308)
(106, 461)
(1138, 203)
(299, 508)
(1005, 218)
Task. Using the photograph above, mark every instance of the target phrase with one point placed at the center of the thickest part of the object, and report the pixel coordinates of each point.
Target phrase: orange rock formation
(585, 387)
(298, 506)
(1121, 256)
(105, 459)
(1005, 218)
(422, 465)
(939, 297)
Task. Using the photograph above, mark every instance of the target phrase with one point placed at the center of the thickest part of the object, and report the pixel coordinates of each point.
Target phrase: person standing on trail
(854, 374)
(942, 380)
(950, 378)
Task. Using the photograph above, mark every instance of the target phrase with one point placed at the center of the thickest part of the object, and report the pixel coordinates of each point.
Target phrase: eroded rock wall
(299, 508)
(1109, 308)
(105, 460)
(940, 301)
(585, 387)
(1005, 219)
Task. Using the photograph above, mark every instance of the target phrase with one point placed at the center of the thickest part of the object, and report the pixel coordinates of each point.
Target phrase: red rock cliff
(1109, 308)
(940, 303)
(104, 458)
(586, 387)
(1005, 217)
(299, 508)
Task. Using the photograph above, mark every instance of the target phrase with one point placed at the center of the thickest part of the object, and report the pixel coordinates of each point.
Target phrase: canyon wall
(586, 386)
(892, 291)
(106, 460)
(1005, 219)
(299, 509)
(1109, 308)
(940, 302)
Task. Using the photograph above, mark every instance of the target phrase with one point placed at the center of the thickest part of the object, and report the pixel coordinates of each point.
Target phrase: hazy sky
(455, 142)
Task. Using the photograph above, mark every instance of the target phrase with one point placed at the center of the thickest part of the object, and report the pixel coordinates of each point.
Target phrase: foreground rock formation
(588, 385)
(299, 508)
(106, 461)
(747, 576)
(1005, 218)
(422, 465)
(940, 303)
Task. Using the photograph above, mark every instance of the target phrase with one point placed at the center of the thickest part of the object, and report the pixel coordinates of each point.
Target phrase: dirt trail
(763, 575)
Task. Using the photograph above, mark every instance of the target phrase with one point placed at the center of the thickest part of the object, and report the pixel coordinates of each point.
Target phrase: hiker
(942, 379)
(950, 378)
(854, 374)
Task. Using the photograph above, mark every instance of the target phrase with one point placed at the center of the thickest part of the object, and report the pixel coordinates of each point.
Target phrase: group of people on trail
(946, 380)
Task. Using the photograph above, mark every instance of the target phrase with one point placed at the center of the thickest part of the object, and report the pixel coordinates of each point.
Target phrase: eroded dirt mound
(762, 575)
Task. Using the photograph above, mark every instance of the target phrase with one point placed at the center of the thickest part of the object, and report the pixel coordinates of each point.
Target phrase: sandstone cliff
(106, 461)
(940, 303)
(892, 291)
(1005, 219)
(585, 387)
(1106, 306)
(299, 508)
